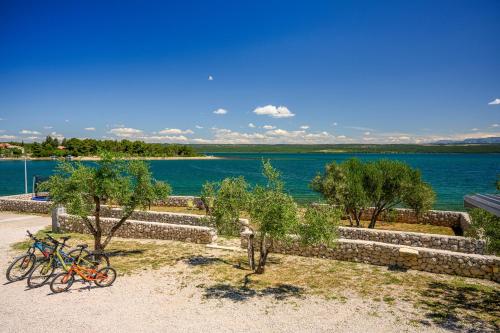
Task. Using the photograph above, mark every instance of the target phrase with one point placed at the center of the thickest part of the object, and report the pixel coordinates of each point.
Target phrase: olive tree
(342, 185)
(227, 200)
(390, 183)
(274, 216)
(383, 184)
(485, 225)
(84, 189)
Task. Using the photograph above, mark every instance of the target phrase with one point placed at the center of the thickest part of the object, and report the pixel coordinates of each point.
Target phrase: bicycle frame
(88, 274)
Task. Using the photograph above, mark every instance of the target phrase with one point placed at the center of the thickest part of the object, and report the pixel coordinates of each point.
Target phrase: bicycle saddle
(65, 238)
(82, 246)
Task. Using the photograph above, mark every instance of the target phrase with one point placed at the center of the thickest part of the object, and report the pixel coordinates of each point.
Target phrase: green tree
(84, 189)
(485, 225)
(342, 185)
(274, 217)
(383, 184)
(230, 200)
(390, 183)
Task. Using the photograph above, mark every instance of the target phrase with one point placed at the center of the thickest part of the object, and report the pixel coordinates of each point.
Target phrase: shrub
(485, 225)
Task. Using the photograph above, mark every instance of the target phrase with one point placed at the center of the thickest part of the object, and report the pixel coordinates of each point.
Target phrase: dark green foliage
(226, 201)
(486, 226)
(113, 181)
(92, 147)
(382, 184)
(320, 225)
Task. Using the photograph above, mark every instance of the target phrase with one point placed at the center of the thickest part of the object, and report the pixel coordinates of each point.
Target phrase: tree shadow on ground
(205, 261)
(123, 253)
(464, 308)
(240, 294)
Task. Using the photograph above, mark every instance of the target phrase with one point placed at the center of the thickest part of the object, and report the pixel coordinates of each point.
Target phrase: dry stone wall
(161, 217)
(24, 204)
(143, 229)
(441, 242)
(384, 254)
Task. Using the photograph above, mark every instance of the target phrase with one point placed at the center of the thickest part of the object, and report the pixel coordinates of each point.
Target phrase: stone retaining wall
(442, 218)
(161, 217)
(23, 204)
(383, 254)
(143, 229)
(182, 201)
(441, 242)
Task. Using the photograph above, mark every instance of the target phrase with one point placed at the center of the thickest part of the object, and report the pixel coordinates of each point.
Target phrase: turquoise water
(451, 175)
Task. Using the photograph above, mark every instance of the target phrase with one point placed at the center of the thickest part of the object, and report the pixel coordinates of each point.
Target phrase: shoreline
(95, 158)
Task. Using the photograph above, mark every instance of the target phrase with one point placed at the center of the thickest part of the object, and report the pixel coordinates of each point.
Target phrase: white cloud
(360, 128)
(496, 101)
(29, 132)
(175, 131)
(66, 120)
(335, 124)
(495, 125)
(47, 127)
(56, 135)
(475, 129)
(126, 132)
(7, 137)
(220, 111)
(251, 125)
(367, 133)
(164, 138)
(89, 128)
(273, 111)
(304, 127)
(210, 78)
(199, 127)
(268, 127)
(32, 137)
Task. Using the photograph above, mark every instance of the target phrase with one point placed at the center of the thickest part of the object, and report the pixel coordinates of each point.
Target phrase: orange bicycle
(103, 277)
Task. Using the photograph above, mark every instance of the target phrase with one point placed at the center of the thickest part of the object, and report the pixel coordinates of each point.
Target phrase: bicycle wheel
(40, 274)
(95, 260)
(20, 267)
(61, 282)
(106, 277)
(78, 254)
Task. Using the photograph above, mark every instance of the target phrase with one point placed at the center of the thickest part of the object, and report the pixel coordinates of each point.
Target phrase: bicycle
(22, 265)
(42, 272)
(103, 277)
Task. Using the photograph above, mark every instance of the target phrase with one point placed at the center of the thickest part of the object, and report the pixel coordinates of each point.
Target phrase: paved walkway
(159, 302)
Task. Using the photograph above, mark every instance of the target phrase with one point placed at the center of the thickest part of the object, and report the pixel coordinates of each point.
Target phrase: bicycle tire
(64, 280)
(75, 253)
(106, 271)
(21, 261)
(37, 280)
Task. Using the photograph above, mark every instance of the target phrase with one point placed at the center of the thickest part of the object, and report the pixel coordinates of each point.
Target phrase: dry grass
(451, 302)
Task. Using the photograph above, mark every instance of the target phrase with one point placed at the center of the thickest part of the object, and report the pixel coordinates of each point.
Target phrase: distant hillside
(347, 148)
(481, 141)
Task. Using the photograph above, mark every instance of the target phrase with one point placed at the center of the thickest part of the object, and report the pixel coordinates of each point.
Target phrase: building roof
(488, 202)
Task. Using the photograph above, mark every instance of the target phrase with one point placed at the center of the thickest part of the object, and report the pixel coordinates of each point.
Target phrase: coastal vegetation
(273, 215)
(382, 184)
(91, 147)
(346, 148)
(82, 190)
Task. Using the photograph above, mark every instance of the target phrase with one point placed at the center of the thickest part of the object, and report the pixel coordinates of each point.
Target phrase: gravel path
(160, 301)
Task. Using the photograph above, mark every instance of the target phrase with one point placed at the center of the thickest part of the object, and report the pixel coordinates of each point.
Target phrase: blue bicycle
(21, 266)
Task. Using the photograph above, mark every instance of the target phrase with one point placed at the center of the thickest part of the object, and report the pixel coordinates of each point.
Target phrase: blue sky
(250, 72)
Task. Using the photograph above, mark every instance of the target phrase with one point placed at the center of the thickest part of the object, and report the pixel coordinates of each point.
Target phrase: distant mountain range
(490, 140)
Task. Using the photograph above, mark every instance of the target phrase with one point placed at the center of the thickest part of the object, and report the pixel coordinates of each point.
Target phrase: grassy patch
(445, 300)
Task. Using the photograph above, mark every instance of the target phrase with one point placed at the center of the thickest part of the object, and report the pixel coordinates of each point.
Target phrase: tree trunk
(251, 251)
(350, 219)
(264, 251)
(373, 219)
(97, 242)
